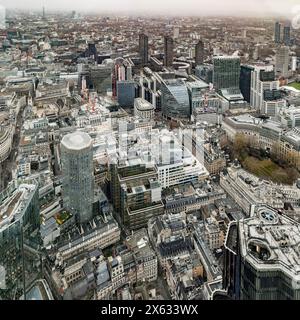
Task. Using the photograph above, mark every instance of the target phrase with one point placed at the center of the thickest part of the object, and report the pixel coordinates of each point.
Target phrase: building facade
(226, 72)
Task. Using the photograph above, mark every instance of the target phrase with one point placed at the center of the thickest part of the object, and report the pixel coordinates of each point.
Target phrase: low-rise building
(143, 109)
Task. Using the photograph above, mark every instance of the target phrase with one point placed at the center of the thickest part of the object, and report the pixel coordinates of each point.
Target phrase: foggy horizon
(253, 8)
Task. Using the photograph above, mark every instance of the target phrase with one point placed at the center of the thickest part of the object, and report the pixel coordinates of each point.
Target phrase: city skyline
(149, 158)
(255, 8)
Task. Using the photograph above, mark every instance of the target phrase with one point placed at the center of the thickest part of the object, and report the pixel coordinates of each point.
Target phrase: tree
(240, 142)
(240, 146)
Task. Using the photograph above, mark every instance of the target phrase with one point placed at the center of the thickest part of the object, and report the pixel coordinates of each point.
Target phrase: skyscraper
(226, 72)
(199, 53)
(282, 61)
(287, 35)
(245, 81)
(143, 49)
(78, 177)
(262, 81)
(169, 48)
(277, 33)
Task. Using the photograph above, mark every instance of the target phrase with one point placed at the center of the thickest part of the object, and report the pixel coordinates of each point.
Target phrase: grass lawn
(295, 85)
(267, 169)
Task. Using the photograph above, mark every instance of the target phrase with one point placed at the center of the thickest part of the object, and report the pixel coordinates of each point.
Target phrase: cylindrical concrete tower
(78, 175)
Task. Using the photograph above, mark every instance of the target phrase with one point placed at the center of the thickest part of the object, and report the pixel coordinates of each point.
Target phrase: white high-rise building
(294, 63)
(262, 79)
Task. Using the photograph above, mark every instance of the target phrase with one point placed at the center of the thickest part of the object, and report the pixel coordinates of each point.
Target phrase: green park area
(295, 85)
(263, 164)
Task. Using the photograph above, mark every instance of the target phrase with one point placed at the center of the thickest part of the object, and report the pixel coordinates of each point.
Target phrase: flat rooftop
(143, 104)
(271, 241)
(13, 201)
(77, 141)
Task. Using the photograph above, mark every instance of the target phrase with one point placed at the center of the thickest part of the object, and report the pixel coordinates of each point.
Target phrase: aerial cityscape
(150, 152)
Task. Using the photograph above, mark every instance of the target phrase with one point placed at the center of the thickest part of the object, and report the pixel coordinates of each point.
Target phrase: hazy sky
(181, 7)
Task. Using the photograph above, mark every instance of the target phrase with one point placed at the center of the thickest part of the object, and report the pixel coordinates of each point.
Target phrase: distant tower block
(169, 51)
(199, 53)
(277, 32)
(176, 32)
(144, 49)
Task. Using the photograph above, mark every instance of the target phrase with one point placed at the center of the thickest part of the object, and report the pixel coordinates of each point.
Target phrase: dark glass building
(126, 93)
(199, 53)
(143, 49)
(245, 81)
(92, 51)
(226, 72)
(101, 78)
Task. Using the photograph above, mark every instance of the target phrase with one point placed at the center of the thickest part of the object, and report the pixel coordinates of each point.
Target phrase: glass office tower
(126, 93)
(175, 99)
(245, 81)
(226, 72)
(20, 255)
